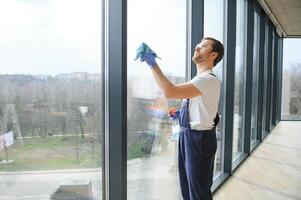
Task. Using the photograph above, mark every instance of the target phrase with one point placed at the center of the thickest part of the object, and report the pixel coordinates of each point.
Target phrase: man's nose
(197, 47)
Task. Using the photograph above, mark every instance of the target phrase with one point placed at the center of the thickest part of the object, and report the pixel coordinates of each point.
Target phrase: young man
(198, 118)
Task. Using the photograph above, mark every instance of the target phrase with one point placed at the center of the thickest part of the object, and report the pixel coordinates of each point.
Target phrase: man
(198, 118)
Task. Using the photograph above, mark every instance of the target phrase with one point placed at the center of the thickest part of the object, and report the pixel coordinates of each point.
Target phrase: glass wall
(255, 77)
(239, 92)
(152, 136)
(50, 99)
(50, 95)
(291, 82)
(214, 27)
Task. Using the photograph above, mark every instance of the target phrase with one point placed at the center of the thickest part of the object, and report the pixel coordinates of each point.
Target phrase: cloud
(162, 25)
(55, 37)
(62, 36)
(291, 51)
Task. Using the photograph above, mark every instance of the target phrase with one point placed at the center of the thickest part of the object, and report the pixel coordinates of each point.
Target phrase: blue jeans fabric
(196, 155)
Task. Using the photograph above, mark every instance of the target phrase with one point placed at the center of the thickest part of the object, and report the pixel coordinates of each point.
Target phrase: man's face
(203, 52)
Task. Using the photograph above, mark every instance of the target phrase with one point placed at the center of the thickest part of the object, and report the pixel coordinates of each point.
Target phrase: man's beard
(198, 59)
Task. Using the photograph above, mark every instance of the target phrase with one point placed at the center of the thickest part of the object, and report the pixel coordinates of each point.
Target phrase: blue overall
(196, 158)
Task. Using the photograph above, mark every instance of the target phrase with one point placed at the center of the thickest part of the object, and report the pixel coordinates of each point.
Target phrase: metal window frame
(248, 72)
(103, 24)
(115, 101)
(261, 75)
(275, 81)
(229, 74)
(195, 28)
(280, 77)
(271, 76)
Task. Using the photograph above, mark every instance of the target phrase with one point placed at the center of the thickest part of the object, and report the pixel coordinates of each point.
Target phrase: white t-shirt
(203, 109)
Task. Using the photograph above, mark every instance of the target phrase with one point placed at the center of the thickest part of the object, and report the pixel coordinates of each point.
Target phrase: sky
(291, 51)
(49, 37)
(64, 36)
(163, 28)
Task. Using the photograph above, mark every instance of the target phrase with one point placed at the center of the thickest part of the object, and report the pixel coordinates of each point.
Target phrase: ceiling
(286, 15)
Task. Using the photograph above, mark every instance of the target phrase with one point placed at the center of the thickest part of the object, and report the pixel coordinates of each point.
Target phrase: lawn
(52, 153)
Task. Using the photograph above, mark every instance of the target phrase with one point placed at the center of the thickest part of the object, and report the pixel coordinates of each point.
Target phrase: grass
(135, 150)
(54, 153)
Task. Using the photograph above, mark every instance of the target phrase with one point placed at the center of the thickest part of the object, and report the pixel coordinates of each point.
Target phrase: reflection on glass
(255, 77)
(214, 27)
(50, 92)
(238, 137)
(152, 136)
(265, 80)
(291, 85)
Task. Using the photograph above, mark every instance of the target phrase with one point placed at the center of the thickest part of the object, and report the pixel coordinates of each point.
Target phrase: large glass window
(291, 82)
(50, 99)
(239, 92)
(152, 136)
(214, 27)
(255, 77)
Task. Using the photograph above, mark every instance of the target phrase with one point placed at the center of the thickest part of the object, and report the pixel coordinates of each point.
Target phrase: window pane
(265, 80)
(214, 27)
(152, 136)
(238, 136)
(291, 82)
(255, 77)
(50, 99)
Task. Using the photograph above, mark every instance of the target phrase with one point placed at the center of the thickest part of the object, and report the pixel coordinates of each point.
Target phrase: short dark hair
(217, 47)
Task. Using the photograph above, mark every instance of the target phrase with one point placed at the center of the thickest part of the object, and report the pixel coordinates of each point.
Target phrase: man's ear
(214, 55)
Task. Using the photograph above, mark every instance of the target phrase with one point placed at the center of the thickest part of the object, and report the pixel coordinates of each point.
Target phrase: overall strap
(216, 120)
(212, 74)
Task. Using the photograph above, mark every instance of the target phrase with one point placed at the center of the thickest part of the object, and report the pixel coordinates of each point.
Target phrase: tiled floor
(273, 171)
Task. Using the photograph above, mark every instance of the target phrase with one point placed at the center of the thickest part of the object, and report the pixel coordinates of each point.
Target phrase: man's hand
(145, 53)
(150, 59)
(173, 113)
(170, 90)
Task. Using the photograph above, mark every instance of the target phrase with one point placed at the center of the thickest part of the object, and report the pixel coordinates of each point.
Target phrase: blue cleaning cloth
(142, 50)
